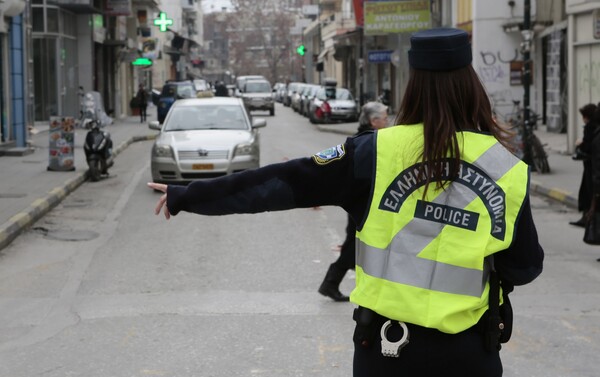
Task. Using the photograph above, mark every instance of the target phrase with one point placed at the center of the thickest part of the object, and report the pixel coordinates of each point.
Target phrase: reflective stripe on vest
(422, 260)
(408, 267)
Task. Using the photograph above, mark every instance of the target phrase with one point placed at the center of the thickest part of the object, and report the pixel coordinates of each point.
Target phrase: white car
(205, 138)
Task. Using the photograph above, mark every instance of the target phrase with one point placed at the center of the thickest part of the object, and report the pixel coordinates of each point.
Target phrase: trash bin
(61, 151)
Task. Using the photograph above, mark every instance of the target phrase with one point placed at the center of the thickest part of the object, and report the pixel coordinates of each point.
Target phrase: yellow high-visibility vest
(423, 260)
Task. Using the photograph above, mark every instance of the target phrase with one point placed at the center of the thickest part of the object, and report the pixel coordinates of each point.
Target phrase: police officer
(443, 219)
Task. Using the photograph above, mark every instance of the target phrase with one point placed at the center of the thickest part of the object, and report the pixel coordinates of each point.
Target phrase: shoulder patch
(329, 154)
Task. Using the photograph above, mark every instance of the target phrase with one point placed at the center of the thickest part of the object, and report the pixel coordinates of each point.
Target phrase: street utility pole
(526, 50)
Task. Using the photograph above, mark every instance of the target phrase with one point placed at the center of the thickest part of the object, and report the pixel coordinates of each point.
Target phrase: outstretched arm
(162, 202)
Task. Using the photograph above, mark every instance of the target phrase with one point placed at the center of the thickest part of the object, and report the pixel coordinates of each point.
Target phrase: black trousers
(142, 113)
(429, 353)
(347, 258)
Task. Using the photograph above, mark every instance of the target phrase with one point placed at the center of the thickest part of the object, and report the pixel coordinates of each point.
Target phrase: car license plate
(202, 166)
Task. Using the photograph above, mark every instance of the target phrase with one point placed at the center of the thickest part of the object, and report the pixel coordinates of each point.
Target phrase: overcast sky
(214, 5)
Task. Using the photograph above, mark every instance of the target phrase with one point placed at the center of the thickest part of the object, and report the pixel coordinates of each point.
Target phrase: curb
(21, 221)
(558, 195)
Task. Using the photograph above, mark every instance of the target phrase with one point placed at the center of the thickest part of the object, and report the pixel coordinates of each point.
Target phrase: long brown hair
(446, 102)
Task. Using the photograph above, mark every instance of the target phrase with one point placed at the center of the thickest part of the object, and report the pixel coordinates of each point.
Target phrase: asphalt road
(102, 287)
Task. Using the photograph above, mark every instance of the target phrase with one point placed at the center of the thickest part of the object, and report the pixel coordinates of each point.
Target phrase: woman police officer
(440, 205)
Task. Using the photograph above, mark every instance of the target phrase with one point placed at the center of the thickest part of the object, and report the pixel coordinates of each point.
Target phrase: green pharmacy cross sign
(144, 62)
(301, 50)
(162, 21)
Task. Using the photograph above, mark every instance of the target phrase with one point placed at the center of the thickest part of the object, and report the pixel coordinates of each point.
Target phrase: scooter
(91, 109)
(98, 151)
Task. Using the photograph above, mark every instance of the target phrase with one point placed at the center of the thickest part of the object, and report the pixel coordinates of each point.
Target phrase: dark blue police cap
(440, 49)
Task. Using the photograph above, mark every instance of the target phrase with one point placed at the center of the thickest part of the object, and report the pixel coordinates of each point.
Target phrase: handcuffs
(389, 349)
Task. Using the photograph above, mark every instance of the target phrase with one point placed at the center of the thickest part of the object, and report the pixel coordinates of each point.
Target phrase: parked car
(309, 92)
(291, 89)
(257, 95)
(277, 91)
(172, 91)
(281, 93)
(333, 104)
(295, 101)
(205, 138)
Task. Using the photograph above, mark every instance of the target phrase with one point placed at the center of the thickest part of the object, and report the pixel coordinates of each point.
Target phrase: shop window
(52, 20)
(37, 19)
(69, 24)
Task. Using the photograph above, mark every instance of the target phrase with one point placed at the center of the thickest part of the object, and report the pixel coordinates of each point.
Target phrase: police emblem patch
(329, 154)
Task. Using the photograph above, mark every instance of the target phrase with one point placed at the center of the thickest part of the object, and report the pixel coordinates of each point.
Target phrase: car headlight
(244, 149)
(162, 150)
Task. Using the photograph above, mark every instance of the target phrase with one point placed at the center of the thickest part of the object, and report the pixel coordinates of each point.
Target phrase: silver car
(205, 138)
(332, 104)
(257, 95)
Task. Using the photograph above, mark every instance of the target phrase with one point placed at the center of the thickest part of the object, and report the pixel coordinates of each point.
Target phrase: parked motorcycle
(98, 151)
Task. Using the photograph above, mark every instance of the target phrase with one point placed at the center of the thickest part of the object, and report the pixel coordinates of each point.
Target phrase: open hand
(162, 202)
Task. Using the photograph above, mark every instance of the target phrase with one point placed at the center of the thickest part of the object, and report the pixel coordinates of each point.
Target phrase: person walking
(142, 100)
(583, 152)
(221, 90)
(373, 116)
(444, 224)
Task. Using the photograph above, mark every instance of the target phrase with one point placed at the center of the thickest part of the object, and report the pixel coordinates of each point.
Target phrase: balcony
(338, 23)
(189, 6)
(80, 6)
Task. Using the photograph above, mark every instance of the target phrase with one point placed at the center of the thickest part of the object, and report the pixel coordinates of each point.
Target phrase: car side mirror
(154, 125)
(259, 122)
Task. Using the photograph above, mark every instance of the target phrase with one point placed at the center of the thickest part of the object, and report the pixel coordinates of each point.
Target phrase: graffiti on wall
(495, 68)
(588, 79)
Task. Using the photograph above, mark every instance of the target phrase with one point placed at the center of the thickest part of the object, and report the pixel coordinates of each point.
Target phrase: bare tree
(259, 34)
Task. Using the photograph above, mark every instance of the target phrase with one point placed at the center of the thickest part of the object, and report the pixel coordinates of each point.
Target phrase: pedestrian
(583, 152)
(442, 213)
(221, 90)
(594, 159)
(142, 100)
(373, 116)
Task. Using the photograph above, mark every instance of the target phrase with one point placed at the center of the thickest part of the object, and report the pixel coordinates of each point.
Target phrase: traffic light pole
(361, 88)
(526, 48)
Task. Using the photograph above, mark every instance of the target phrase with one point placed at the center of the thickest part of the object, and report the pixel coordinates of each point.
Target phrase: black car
(172, 91)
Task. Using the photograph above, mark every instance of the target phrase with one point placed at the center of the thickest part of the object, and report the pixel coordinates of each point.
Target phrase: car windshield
(258, 87)
(185, 91)
(200, 85)
(206, 117)
(182, 91)
(334, 93)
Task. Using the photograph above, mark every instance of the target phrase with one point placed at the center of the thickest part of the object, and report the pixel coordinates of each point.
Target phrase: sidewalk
(28, 191)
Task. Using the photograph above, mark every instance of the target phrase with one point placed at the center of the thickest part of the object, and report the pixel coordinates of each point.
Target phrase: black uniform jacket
(342, 179)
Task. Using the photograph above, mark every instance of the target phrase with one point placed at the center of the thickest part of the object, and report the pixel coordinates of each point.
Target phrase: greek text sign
(396, 16)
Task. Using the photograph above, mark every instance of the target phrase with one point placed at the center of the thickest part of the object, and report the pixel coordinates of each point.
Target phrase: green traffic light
(301, 50)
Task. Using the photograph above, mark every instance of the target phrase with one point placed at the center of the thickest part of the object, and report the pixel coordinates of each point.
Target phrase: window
(52, 20)
(37, 19)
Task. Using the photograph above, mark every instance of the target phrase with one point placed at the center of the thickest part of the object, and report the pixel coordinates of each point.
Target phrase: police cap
(440, 49)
